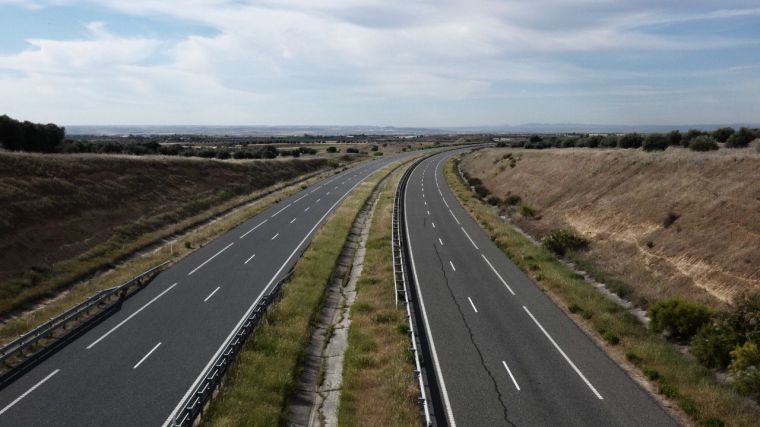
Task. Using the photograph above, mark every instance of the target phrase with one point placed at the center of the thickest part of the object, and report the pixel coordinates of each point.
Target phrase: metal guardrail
(194, 404)
(26, 349)
(401, 285)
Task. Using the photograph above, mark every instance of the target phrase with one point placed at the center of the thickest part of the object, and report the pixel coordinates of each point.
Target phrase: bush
(691, 135)
(703, 143)
(722, 134)
(561, 241)
(630, 140)
(527, 211)
(609, 141)
(352, 150)
(655, 142)
(740, 139)
(747, 382)
(481, 191)
(611, 338)
(493, 200)
(374, 148)
(680, 319)
(713, 344)
(512, 200)
(332, 150)
(675, 137)
(744, 356)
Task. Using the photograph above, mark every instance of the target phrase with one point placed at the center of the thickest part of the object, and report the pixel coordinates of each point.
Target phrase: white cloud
(290, 61)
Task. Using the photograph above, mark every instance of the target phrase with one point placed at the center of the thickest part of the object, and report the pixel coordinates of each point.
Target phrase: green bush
(527, 211)
(690, 135)
(740, 139)
(631, 140)
(561, 241)
(680, 319)
(651, 374)
(675, 137)
(611, 338)
(493, 200)
(745, 356)
(481, 191)
(512, 200)
(703, 143)
(713, 344)
(332, 150)
(747, 382)
(655, 142)
(722, 134)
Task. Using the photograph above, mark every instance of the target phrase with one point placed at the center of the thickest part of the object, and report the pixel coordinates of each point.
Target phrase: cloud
(290, 61)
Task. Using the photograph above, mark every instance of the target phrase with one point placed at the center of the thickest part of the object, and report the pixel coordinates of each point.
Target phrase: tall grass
(267, 368)
(677, 377)
(378, 385)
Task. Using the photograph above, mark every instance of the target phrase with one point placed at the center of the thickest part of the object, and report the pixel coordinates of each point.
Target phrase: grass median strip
(675, 376)
(378, 385)
(265, 373)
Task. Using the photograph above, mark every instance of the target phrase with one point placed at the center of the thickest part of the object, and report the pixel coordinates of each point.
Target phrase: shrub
(690, 135)
(374, 148)
(713, 422)
(512, 200)
(670, 219)
(527, 211)
(611, 338)
(633, 357)
(332, 150)
(652, 374)
(535, 138)
(493, 200)
(352, 150)
(680, 319)
(481, 191)
(713, 344)
(655, 142)
(675, 137)
(722, 134)
(669, 390)
(378, 154)
(473, 181)
(747, 382)
(630, 140)
(745, 356)
(703, 143)
(561, 241)
(740, 139)
(609, 141)
(574, 308)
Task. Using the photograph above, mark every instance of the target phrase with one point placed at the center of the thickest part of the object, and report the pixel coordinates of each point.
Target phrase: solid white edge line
(472, 304)
(436, 363)
(146, 356)
(575, 368)
(260, 224)
(455, 217)
(131, 316)
(211, 294)
(212, 257)
(26, 393)
(468, 237)
(250, 258)
(510, 375)
(498, 275)
(192, 388)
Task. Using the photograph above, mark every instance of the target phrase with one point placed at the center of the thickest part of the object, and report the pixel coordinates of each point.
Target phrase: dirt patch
(673, 223)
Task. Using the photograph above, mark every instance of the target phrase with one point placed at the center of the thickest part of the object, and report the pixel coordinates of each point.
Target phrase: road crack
(472, 340)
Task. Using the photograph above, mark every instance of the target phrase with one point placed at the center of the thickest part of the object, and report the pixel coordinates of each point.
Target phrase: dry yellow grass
(619, 200)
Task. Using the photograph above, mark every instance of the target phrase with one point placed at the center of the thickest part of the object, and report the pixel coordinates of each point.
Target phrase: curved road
(504, 353)
(134, 368)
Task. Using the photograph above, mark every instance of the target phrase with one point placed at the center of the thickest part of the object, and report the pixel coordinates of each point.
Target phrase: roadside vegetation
(694, 139)
(63, 218)
(263, 377)
(378, 382)
(675, 376)
(227, 215)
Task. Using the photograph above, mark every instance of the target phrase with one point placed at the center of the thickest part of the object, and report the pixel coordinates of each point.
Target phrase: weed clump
(561, 241)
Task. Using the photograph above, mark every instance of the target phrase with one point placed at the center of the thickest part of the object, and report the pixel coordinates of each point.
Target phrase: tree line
(28, 136)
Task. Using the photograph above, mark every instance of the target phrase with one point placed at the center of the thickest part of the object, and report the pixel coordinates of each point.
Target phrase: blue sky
(380, 62)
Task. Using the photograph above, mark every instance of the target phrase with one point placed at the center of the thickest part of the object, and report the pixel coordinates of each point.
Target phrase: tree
(703, 143)
(630, 140)
(332, 149)
(675, 137)
(691, 134)
(28, 136)
(535, 138)
(740, 139)
(656, 141)
(722, 134)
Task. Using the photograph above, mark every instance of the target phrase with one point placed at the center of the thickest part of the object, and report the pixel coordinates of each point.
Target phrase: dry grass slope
(64, 216)
(621, 199)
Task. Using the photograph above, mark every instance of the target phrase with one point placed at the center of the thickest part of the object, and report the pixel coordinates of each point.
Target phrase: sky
(436, 63)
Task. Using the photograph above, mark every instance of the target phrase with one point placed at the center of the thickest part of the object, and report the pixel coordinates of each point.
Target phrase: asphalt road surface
(134, 368)
(504, 353)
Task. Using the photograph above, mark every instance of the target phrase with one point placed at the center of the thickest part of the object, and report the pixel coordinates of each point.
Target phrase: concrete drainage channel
(315, 401)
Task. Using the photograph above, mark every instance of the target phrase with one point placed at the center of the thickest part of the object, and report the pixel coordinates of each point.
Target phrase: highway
(134, 368)
(503, 352)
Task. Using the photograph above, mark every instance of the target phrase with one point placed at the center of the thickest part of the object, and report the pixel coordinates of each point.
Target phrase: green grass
(378, 384)
(267, 368)
(676, 376)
